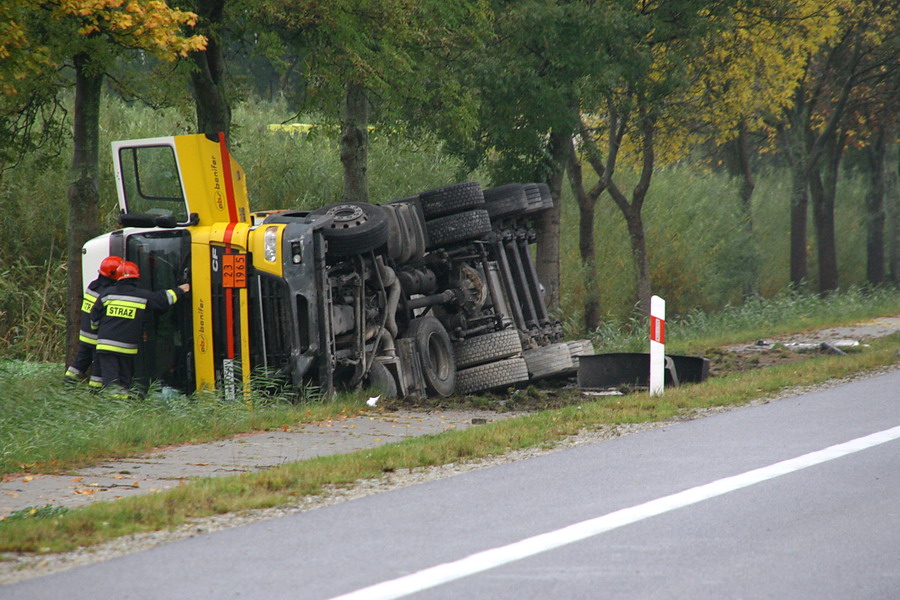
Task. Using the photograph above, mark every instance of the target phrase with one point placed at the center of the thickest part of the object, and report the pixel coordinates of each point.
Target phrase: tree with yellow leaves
(85, 35)
(740, 62)
(820, 121)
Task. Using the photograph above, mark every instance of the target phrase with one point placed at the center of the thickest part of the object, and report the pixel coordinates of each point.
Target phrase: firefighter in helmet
(87, 337)
(118, 320)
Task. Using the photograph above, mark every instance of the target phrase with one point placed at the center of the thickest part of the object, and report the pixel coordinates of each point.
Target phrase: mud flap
(408, 370)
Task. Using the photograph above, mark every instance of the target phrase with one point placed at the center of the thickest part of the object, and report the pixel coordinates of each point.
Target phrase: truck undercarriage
(435, 294)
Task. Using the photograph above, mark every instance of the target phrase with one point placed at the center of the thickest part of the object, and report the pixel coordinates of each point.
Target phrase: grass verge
(45, 427)
(50, 531)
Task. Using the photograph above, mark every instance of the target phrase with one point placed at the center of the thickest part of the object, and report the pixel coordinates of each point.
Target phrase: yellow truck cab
(186, 218)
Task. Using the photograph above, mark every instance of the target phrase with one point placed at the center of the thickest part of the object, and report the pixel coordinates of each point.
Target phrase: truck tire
(380, 380)
(505, 200)
(436, 353)
(487, 348)
(451, 199)
(491, 376)
(579, 348)
(457, 228)
(549, 361)
(357, 228)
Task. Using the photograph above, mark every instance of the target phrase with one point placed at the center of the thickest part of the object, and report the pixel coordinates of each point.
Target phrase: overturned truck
(435, 294)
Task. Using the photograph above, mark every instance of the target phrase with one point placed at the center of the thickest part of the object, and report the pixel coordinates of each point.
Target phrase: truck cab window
(151, 182)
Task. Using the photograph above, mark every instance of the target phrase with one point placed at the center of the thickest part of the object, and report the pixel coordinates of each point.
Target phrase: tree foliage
(87, 35)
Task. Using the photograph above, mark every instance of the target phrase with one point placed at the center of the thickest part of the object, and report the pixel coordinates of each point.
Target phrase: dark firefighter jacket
(94, 290)
(118, 315)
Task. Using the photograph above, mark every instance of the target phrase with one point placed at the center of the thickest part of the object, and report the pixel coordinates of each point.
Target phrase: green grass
(45, 530)
(46, 427)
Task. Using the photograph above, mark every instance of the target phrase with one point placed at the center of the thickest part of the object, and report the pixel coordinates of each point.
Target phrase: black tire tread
(505, 200)
(486, 348)
(549, 361)
(490, 376)
(458, 227)
(451, 199)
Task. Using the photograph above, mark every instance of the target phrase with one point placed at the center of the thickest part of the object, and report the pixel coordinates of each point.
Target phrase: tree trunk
(793, 134)
(208, 79)
(739, 166)
(355, 144)
(632, 210)
(823, 224)
(799, 210)
(892, 201)
(548, 227)
(587, 203)
(635, 223)
(875, 210)
(823, 198)
(83, 193)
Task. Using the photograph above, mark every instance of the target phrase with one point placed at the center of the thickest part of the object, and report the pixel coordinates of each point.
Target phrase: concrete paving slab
(169, 467)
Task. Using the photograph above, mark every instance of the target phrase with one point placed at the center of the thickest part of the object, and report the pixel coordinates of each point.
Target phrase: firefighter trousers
(117, 369)
(84, 360)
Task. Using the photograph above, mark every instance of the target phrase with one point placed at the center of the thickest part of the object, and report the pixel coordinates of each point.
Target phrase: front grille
(271, 332)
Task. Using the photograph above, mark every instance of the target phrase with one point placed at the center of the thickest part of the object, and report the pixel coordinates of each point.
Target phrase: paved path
(169, 467)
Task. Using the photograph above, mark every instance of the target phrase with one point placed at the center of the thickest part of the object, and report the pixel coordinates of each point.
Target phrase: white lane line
(495, 557)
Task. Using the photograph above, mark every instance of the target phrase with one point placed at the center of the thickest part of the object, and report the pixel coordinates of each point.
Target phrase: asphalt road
(620, 524)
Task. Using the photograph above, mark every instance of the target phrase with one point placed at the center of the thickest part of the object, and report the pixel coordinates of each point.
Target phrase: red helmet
(109, 265)
(128, 270)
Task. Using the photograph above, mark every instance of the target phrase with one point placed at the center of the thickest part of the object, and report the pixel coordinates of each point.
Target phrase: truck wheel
(357, 227)
(548, 361)
(451, 199)
(457, 228)
(381, 381)
(498, 374)
(505, 200)
(436, 354)
(487, 348)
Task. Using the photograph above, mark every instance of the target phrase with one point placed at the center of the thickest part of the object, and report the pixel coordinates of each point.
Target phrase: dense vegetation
(698, 246)
(704, 152)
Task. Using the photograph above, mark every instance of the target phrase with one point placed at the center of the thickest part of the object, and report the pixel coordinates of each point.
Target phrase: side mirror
(142, 220)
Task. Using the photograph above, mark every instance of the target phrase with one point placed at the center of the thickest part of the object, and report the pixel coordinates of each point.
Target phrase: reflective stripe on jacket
(94, 290)
(118, 316)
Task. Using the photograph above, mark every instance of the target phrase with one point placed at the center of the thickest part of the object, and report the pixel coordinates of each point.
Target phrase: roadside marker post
(657, 345)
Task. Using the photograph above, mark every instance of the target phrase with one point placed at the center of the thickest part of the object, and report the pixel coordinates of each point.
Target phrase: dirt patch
(799, 347)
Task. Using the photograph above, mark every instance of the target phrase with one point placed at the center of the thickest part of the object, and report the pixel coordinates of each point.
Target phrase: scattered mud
(799, 347)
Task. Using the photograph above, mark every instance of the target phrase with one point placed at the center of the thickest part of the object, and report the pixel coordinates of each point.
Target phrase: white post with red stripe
(657, 345)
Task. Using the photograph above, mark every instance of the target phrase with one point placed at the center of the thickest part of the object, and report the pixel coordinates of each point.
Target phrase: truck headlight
(270, 244)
